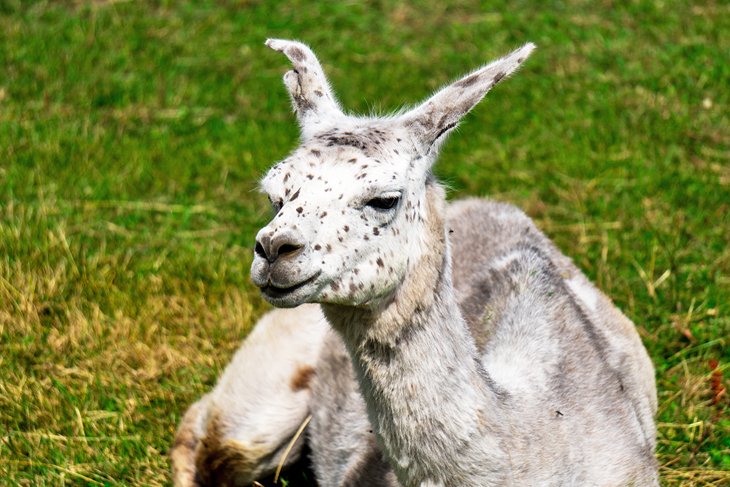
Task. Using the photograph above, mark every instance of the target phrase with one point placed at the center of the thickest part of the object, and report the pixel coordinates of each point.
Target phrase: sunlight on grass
(132, 136)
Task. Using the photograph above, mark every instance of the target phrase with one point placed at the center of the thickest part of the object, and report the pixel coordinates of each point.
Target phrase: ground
(132, 135)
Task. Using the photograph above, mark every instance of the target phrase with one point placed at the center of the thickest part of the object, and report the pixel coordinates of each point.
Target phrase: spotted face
(349, 203)
(346, 219)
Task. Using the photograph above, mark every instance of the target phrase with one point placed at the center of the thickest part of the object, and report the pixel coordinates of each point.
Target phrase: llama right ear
(313, 100)
(432, 120)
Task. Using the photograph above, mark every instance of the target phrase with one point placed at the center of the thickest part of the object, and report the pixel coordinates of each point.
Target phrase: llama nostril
(288, 248)
(271, 248)
(260, 251)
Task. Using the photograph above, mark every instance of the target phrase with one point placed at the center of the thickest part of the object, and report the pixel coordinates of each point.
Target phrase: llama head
(351, 202)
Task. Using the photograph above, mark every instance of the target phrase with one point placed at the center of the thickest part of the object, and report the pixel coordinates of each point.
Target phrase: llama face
(342, 202)
(349, 203)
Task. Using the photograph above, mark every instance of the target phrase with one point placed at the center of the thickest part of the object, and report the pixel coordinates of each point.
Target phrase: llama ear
(432, 120)
(311, 95)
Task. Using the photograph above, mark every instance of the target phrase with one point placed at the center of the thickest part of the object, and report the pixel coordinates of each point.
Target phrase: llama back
(548, 336)
(486, 231)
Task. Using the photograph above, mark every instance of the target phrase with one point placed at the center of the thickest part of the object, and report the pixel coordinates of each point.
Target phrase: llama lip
(276, 293)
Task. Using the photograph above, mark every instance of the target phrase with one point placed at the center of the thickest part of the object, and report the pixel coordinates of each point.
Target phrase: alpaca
(515, 372)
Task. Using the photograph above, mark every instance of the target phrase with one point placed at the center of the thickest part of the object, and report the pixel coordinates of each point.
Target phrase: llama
(515, 371)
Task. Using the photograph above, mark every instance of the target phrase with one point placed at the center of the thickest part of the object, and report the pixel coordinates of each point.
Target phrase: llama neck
(434, 408)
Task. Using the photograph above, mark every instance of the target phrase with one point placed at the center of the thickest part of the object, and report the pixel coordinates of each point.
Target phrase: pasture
(132, 135)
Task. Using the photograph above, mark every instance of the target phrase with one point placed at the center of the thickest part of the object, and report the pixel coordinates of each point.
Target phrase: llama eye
(387, 203)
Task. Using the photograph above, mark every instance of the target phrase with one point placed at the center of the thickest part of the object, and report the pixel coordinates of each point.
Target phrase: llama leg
(240, 431)
(185, 446)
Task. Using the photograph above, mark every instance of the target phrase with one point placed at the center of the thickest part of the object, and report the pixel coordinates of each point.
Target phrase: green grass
(132, 135)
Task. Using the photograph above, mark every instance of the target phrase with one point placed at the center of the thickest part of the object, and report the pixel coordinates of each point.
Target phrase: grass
(132, 135)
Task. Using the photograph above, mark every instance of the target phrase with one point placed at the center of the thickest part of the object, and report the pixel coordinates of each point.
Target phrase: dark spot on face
(335, 286)
(346, 228)
(295, 195)
(286, 177)
(296, 53)
(317, 247)
(316, 153)
(324, 214)
(519, 60)
(380, 262)
(310, 176)
(498, 77)
(318, 93)
(347, 139)
(376, 231)
(353, 288)
(300, 209)
(353, 160)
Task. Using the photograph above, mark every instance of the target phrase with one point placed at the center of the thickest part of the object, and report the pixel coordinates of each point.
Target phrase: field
(132, 135)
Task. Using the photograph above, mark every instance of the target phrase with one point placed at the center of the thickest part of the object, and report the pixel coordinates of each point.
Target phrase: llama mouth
(274, 293)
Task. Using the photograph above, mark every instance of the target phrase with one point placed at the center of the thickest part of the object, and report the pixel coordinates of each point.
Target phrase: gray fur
(342, 441)
(487, 231)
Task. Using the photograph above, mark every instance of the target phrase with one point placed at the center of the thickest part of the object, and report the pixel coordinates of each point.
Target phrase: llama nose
(271, 248)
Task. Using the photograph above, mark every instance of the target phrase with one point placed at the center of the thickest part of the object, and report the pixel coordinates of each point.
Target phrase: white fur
(584, 291)
(255, 408)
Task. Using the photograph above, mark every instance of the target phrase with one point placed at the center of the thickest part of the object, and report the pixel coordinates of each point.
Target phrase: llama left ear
(432, 120)
(313, 100)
